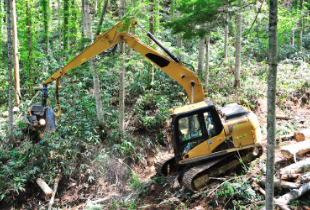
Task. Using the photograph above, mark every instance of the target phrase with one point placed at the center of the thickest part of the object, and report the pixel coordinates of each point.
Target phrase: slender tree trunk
(10, 58)
(46, 11)
(15, 55)
(238, 47)
(66, 24)
(293, 38)
(226, 39)
(1, 17)
(152, 31)
(131, 30)
(179, 37)
(207, 64)
(122, 82)
(73, 20)
(97, 91)
(29, 61)
(59, 29)
(102, 15)
(300, 26)
(271, 117)
(201, 55)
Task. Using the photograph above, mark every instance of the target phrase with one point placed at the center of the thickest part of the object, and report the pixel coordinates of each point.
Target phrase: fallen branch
(54, 192)
(290, 176)
(220, 185)
(302, 134)
(281, 184)
(294, 194)
(296, 149)
(46, 189)
(300, 166)
(284, 137)
(283, 117)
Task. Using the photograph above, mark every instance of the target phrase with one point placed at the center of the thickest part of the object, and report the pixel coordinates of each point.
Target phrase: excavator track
(198, 176)
(166, 166)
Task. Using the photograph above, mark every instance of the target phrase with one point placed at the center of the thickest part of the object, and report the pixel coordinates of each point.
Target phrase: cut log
(302, 134)
(296, 149)
(290, 176)
(283, 117)
(281, 184)
(294, 194)
(54, 192)
(46, 189)
(305, 178)
(300, 166)
(284, 137)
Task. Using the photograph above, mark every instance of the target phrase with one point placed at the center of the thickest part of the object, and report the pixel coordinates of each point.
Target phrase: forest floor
(78, 192)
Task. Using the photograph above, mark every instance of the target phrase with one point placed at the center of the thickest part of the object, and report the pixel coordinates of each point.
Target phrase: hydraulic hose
(57, 99)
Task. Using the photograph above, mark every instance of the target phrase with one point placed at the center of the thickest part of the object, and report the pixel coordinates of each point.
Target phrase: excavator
(206, 141)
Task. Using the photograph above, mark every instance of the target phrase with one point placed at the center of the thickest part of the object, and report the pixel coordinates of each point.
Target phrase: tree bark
(238, 47)
(10, 58)
(179, 37)
(46, 5)
(66, 24)
(152, 31)
(300, 26)
(59, 28)
(305, 178)
(300, 166)
(15, 55)
(131, 30)
(296, 149)
(102, 15)
(271, 98)
(201, 55)
(29, 61)
(207, 64)
(226, 39)
(1, 17)
(122, 82)
(97, 91)
(54, 192)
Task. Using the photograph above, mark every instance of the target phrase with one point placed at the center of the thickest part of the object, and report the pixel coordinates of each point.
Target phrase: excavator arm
(173, 67)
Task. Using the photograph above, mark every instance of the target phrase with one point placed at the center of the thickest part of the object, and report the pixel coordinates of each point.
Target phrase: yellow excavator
(206, 142)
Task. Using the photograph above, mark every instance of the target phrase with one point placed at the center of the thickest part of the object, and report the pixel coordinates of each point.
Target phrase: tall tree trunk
(73, 20)
(300, 26)
(66, 24)
(122, 82)
(207, 64)
(15, 55)
(1, 17)
(238, 47)
(226, 39)
(29, 61)
(46, 14)
(97, 91)
(59, 29)
(179, 37)
(201, 55)
(271, 94)
(102, 15)
(10, 58)
(152, 31)
(131, 30)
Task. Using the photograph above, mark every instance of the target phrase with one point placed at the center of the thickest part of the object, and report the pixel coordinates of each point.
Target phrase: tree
(15, 55)
(10, 58)
(66, 24)
(122, 81)
(46, 19)
(97, 91)
(207, 64)
(300, 27)
(152, 31)
(238, 46)
(102, 15)
(179, 36)
(29, 60)
(59, 29)
(226, 38)
(271, 99)
(201, 55)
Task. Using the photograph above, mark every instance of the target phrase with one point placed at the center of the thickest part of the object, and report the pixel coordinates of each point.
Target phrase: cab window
(189, 128)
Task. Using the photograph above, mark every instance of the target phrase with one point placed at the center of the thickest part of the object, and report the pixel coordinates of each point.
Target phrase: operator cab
(195, 126)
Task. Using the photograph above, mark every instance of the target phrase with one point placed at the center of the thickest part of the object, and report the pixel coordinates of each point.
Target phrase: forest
(154, 104)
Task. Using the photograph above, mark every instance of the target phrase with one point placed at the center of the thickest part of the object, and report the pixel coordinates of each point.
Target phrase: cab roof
(190, 107)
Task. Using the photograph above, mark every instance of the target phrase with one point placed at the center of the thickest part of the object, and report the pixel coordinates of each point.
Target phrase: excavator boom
(176, 70)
